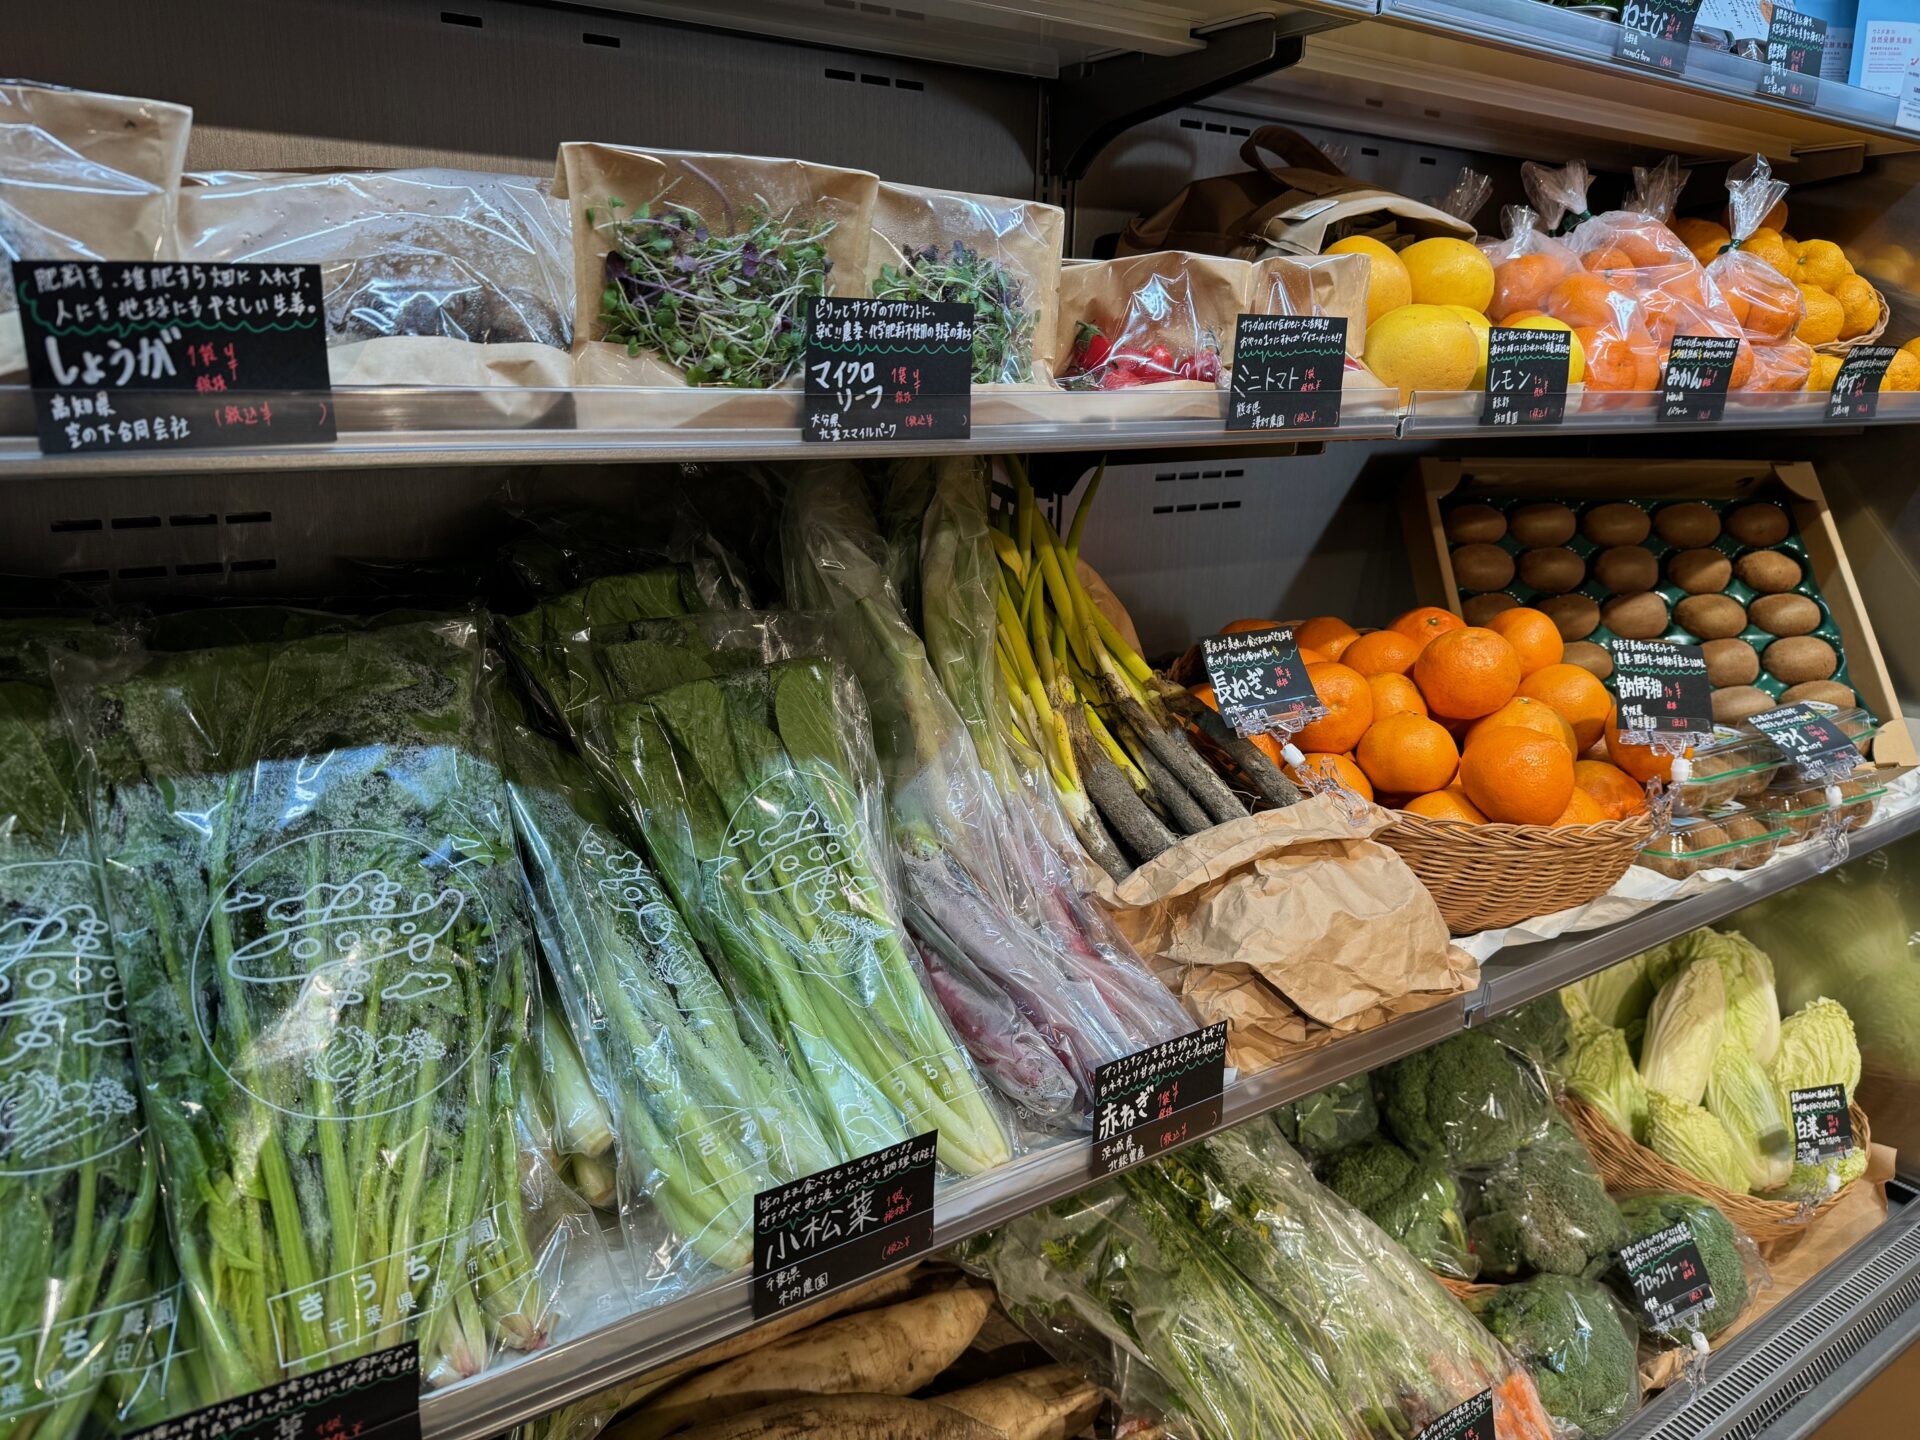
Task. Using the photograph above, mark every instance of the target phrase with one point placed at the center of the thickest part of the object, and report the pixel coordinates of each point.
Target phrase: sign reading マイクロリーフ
(888, 370)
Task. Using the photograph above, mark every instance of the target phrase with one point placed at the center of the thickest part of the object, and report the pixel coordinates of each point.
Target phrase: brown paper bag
(1022, 238)
(721, 191)
(83, 176)
(1315, 285)
(1289, 924)
(1183, 305)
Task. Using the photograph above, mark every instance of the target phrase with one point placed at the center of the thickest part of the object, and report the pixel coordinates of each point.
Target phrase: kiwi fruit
(1831, 691)
(1768, 571)
(1688, 525)
(1800, 658)
(1478, 609)
(1576, 616)
(1616, 523)
(1637, 617)
(1701, 571)
(1731, 662)
(1685, 851)
(1759, 524)
(1747, 827)
(1711, 617)
(1475, 525)
(1552, 571)
(1737, 702)
(1785, 614)
(1542, 524)
(1626, 569)
(1482, 567)
(1590, 657)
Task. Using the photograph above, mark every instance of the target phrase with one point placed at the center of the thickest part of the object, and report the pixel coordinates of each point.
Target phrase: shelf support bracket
(1092, 103)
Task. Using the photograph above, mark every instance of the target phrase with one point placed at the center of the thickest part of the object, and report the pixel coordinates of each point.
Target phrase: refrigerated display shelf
(1788, 1372)
(633, 1344)
(422, 426)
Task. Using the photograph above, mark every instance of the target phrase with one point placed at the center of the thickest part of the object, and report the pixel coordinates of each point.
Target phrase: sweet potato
(1053, 1402)
(847, 1417)
(891, 1351)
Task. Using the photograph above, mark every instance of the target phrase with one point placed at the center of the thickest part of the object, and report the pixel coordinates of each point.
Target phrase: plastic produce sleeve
(1161, 319)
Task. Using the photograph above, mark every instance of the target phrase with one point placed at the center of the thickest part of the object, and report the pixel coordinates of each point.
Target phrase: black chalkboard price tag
(1526, 376)
(839, 1226)
(373, 1397)
(1822, 1124)
(1699, 368)
(1287, 372)
(1803, 734)
(1157, 1098)
(1656, 33)
(1795, 44)
(1256, 675)
(138, 355)
(1471, 1419)
(1856, 388)
(1668, 1277)
(888, 370)
(1662, 689)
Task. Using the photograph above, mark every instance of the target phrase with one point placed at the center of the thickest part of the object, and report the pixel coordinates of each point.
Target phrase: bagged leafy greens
(1333, 1119)
(318, 924)
(89, 1309)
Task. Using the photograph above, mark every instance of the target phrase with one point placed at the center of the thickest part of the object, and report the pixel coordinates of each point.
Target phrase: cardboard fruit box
(1722, 485)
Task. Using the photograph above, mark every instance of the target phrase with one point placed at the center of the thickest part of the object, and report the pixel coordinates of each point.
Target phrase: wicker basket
(1841, 347)
(1485, 876)
(1627, 1165)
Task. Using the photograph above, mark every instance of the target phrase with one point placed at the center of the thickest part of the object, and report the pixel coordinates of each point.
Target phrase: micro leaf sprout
(1002, 322)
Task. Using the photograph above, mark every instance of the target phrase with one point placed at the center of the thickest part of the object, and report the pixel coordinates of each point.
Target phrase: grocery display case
(1105, 110)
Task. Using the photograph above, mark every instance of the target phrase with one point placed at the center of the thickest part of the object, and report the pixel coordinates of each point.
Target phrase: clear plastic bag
(1467, 194)
(1656, 189)
(1000, 256)
(955, 839)
(1766, 305)
(1332, 1119)
(1314, 285)
(84, 177)
(1579, 1342)
(1541, 1209)
(1152, 319)
(1415, 1202)
(454, 254)
(1466, 1101)
(1527, 265)
(1558, 193)
(705, 1105)
(1733, 1264)
(317, 918)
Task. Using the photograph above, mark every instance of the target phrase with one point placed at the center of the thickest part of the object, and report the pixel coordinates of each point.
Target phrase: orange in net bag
(1765, 303)
(1527, 264)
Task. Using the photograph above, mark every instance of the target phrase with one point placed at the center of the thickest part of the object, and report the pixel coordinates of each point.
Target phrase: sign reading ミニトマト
(838, 1226)
(1287, 372)
(1157, 1098)
(162, 355)
(888, 370)
(374, 1397)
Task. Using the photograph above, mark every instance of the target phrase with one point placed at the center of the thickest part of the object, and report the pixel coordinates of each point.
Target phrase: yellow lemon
(1423, 347)
(1822, 263)
(1903, 373)
(1446, 271)
(1861, 302)
(1388, 287)
(1824, 317)
(1576, 358)
(1825, 367)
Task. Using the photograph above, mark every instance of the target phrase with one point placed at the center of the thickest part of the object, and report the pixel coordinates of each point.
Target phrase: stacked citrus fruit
(1426, 311)
(1465, 723)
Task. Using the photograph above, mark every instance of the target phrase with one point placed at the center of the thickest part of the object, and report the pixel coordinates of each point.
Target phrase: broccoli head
(1414, 1201)
(1343, 1114)
(1539, 1030)
(1579, 1346)
(1465, 1101)
(1544, 1208)
(1719, 1251)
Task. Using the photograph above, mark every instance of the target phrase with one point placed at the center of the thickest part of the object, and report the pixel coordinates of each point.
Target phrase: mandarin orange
(1467, 673)
(1383, 652)
(1578, 698)
(1349, 704)
(1518, 777)
(1533, 635)
(1407, 755)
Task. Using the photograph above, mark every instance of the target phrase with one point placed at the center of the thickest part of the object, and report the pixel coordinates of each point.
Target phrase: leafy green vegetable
(1742, 1097)
(1540, 1030)
(1720, 1251)
(1003, 316)
(1465, 1101)
(1684, 1029)
(1600, 1070)
(1693, 1138)
(1581, 1347)
(316, 915)
(1616, 997)
(1542, 1208)
(1817, 1047)
(1328, 1120)
(1416, 1203)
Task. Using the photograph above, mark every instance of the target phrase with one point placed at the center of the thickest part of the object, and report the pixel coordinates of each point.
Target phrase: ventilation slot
(454, 17)
(143, 572)
(847, 75)
(1213, 129)
(204, 567)
(1238, 130)
(135, 522)
(65, 527)
(611, 42)
(1163, 509)
(86, 577)
(193, 520)
(1428, 160)
(244, 567)
(1371, 151)
(250, 517)
(1191, 125)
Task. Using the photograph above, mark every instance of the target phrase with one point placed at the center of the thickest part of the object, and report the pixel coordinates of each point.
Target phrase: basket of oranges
(1487, 745)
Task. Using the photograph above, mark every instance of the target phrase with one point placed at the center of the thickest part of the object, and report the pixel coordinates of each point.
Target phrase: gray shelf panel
(1789, 1371)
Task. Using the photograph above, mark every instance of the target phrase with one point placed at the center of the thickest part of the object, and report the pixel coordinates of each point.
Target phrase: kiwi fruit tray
(1731, 576)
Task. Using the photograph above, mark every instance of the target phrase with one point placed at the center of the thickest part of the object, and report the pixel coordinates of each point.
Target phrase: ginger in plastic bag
(1765, 304)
